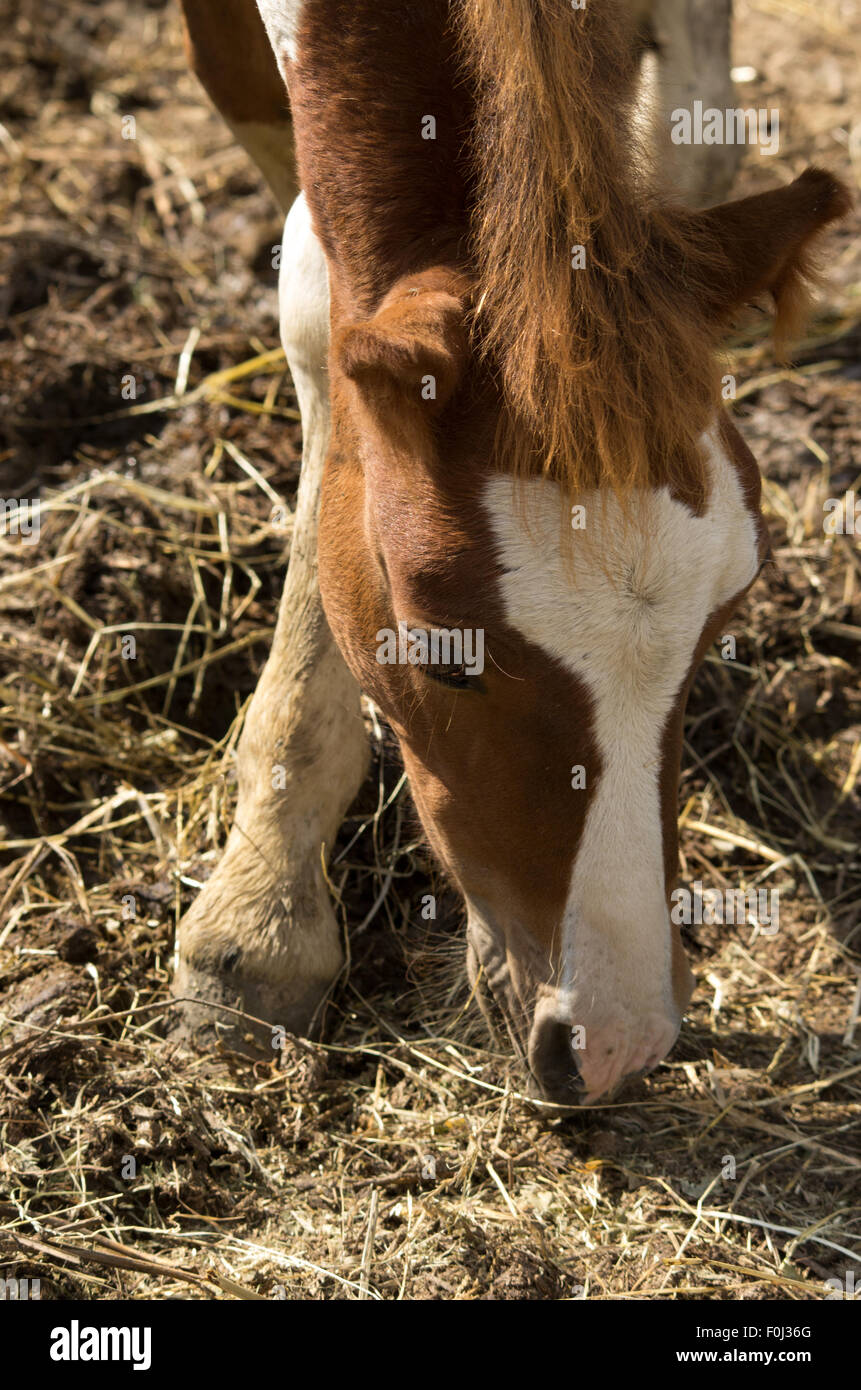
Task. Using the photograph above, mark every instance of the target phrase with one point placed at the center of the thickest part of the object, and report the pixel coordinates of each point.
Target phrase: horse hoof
(244, 1015)
(256, 959)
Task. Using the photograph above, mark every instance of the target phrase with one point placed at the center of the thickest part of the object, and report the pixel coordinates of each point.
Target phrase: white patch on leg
(281, 18)
(623, 611)
(303, 301)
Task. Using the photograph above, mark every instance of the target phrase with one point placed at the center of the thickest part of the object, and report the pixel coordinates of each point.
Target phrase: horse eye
(456, 676)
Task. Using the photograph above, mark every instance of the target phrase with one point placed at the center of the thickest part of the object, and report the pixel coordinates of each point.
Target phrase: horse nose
(553, 1061)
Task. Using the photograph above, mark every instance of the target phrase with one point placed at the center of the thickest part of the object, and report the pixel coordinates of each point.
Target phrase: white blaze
(623, 611)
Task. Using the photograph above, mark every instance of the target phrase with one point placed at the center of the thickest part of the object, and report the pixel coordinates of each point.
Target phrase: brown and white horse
(503, 346)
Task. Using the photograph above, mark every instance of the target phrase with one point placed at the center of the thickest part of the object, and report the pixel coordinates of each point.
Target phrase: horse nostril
(576, 1081)
(555, 1062)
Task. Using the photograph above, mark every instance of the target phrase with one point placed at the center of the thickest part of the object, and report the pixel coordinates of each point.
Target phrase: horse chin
(519, 1003)
(503, 994)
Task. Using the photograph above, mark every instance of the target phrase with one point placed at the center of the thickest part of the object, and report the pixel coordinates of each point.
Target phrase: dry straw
(398, 1159)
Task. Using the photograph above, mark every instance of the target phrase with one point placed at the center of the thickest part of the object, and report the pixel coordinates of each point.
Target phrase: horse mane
(608, 373)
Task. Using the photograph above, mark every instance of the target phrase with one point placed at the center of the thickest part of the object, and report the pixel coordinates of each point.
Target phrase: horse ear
(765, 244)
(413, 349)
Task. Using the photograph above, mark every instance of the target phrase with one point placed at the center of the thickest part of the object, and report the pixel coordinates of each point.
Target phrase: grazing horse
(504, 348)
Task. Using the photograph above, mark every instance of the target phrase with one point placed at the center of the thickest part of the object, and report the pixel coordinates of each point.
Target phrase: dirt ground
(398, 1158)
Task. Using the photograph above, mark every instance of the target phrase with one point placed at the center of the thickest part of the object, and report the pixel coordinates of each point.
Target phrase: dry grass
(398, 1159)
